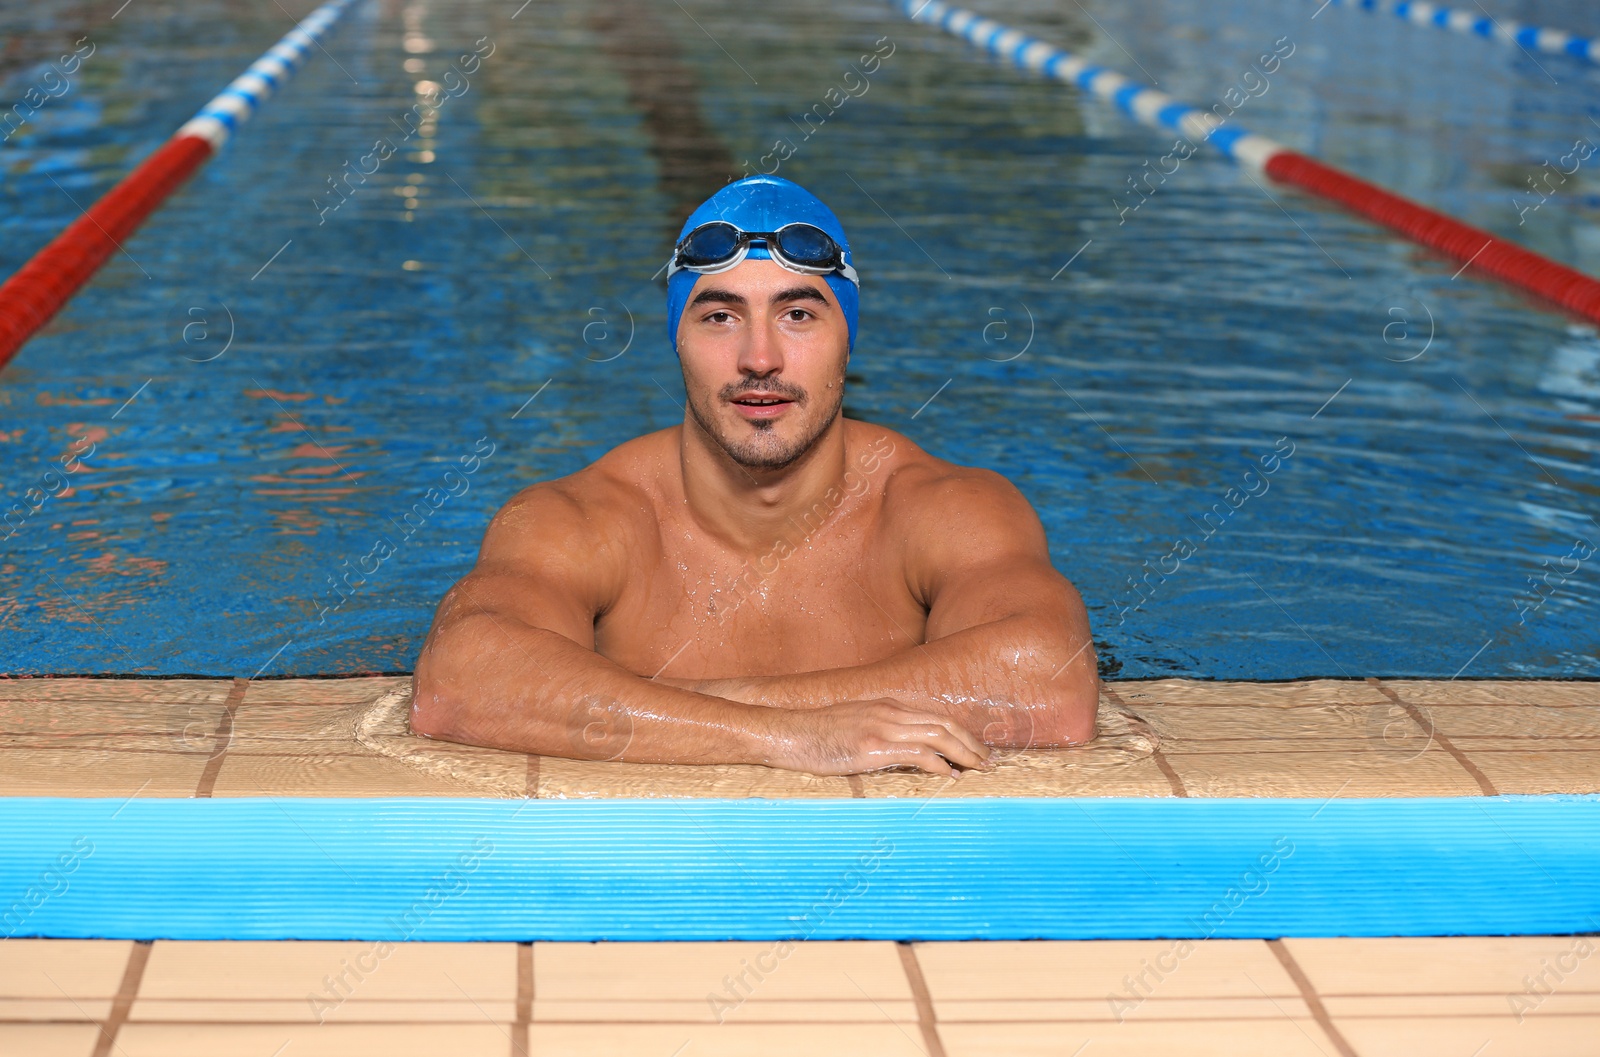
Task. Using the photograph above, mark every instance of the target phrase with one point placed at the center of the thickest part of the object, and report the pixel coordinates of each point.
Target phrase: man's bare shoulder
(921, 487)
(948, 516)
(612, 502)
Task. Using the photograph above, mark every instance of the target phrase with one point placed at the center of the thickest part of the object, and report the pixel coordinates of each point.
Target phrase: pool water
(1398, 462)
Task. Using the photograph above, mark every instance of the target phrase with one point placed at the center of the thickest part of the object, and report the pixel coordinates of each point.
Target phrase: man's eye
(718, 317)
(797, 314)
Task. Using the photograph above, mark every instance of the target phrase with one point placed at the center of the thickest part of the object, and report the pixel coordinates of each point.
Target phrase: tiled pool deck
(1535, 995)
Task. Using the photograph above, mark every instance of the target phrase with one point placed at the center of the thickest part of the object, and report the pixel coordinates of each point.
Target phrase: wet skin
(767, 582)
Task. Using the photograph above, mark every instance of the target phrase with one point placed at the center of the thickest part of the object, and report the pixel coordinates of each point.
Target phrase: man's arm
(1008, 651)
(510, 663)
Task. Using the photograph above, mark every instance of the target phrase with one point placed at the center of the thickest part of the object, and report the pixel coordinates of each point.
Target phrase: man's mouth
(761, 405)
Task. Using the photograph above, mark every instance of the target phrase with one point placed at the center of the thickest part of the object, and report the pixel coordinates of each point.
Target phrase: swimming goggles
(719, 246)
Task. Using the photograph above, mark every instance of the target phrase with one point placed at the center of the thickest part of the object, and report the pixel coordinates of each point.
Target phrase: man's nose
(762, 352)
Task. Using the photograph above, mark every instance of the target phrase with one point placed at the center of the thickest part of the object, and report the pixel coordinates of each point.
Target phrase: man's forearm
(1016, 682)
(490, 680)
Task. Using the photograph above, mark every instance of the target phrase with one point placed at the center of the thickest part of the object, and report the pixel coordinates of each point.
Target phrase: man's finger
(952, 748)
(924, 758)
(971, 740)
(966, 749)
(950, 723)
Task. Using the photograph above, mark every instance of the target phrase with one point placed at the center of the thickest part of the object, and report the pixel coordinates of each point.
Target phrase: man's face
(763, 351)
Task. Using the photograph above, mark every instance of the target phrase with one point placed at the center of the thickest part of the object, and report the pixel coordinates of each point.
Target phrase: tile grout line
(1308, 994)
(924, 999)
(1162, 763)
(1421, 719)
(122, 1004)
(530, 782)
(521, 1031)
(224, 736)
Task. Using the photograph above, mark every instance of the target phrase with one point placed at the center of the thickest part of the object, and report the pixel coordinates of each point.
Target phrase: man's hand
(852, 737)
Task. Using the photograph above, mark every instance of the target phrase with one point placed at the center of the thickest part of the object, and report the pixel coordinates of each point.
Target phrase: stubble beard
(761, 448)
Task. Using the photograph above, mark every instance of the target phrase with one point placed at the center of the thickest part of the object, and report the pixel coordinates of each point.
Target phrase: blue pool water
(1444, 430)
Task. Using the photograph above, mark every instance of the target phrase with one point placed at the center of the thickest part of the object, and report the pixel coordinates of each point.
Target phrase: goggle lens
(808, 245)
(709, 244)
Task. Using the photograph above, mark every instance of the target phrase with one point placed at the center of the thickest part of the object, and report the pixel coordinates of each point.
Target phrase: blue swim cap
(763, 203)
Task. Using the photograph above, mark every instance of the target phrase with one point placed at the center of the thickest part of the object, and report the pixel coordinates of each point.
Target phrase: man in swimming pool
(767, 582)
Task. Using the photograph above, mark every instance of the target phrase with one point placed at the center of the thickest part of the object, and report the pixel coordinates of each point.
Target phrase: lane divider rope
(40, 287)
(1480, 24)
(1477, 249)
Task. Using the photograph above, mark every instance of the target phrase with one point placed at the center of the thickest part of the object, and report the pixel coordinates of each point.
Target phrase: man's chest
(822, 596)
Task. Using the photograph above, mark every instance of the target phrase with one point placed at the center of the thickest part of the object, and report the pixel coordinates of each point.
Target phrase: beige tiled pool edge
(1160, 738)
(1367, 997)
(1164, 738)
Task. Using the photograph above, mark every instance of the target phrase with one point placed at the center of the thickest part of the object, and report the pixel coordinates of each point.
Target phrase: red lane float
(39, 288)
(1485, 252)
(35, 293)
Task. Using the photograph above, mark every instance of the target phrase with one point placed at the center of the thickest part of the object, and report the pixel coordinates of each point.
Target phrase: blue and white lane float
(218, 119)
(1473, 247)
(1140, 101)
(1480, 24)
(1145, 104)
(39, 288)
